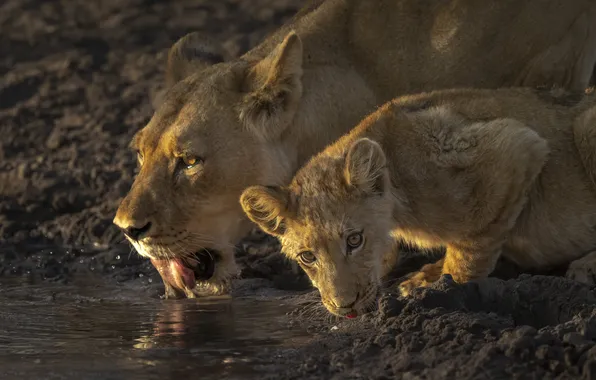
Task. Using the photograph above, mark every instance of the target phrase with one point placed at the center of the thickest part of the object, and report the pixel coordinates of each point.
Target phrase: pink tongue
(175, 273)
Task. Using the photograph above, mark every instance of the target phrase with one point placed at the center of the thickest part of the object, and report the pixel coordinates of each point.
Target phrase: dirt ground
(77, 79)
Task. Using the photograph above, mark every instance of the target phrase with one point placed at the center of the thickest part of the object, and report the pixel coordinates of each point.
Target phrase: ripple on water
(90, 330)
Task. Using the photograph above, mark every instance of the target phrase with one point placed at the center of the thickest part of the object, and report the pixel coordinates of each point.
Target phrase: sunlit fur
(480, 172)
(258, 118)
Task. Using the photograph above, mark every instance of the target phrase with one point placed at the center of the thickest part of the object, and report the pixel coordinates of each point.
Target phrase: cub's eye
(190, 162)
(307, 257)
(355, 240)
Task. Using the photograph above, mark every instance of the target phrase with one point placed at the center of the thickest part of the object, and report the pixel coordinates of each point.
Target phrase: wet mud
(532, 327)
(77, 80)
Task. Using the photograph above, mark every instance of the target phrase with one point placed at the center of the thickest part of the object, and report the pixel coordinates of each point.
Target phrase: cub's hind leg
(584, 130)
(584, 133)
(584, 269)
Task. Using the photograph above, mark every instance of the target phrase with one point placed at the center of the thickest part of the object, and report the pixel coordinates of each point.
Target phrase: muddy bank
(77, 81)
(535, 327)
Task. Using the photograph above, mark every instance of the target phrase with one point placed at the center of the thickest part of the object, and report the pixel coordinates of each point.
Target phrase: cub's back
(559, 220)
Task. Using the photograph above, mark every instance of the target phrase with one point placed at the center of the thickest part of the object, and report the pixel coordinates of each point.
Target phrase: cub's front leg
(463, 261)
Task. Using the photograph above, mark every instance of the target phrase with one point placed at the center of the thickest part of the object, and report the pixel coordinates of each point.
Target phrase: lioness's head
(213, 135)
(333, 219)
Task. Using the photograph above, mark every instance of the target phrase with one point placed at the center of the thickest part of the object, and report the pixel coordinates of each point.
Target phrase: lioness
(483, 173)
(255, 120)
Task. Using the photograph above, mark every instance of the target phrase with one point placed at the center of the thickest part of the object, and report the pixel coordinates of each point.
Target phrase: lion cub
(481, 172)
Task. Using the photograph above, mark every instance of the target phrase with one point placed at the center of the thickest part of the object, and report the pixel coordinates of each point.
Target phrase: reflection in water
(184, 324)
(93, 331)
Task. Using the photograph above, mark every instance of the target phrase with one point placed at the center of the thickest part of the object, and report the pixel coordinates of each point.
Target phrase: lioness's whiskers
(132, 249)
(203, 239)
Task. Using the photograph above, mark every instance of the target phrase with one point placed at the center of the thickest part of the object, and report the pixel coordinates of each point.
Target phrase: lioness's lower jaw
(191, 276)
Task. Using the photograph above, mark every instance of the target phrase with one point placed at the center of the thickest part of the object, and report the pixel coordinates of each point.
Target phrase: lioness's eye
(307, 257)
(190, 161)
(354, 240)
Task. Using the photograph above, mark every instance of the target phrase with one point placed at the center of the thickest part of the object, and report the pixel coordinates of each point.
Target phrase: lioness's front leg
(463, 261)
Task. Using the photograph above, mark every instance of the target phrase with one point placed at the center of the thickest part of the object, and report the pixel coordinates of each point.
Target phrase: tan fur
(483, 173)
(258, 118)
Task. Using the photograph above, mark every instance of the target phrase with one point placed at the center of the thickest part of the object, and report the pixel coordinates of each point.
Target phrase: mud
(77, 81)
(534, 327)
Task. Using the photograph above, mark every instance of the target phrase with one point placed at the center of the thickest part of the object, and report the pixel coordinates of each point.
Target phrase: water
(97, 331)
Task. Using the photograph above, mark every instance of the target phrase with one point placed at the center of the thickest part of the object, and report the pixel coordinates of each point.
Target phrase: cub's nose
(349, 305)
(133, 232)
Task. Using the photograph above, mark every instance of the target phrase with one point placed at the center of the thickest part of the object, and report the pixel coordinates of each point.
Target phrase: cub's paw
(426, 276)
(415, 280)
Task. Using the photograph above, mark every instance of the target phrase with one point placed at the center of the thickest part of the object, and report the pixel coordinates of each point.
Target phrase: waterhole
(88, 330)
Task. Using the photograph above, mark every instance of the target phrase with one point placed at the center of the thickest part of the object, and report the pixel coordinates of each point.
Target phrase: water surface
(93, 330)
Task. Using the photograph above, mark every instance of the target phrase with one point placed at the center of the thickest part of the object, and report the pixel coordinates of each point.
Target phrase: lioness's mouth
(205, 268)
(183, 273)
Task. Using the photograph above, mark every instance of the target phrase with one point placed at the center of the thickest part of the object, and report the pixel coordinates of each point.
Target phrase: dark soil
(77, 81)
(534, 327)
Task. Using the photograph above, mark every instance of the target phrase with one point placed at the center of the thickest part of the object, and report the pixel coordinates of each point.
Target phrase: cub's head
(334, 219)
(215, 133)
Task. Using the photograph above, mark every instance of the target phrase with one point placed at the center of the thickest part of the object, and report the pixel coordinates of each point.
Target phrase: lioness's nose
(136, 233)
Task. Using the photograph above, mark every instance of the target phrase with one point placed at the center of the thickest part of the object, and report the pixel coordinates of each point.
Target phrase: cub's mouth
(367, 303)
(182, 273)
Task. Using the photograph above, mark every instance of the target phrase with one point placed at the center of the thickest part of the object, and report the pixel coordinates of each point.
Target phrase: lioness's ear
(275, 89)
(267, 207)
(365, 167)
(192, 53)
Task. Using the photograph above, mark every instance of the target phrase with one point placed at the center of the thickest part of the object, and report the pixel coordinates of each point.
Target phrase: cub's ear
(275, 90)
(267, 207)
(192, 53)
(365, 167)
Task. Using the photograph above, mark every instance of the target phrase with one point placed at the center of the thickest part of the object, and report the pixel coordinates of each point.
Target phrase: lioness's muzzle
(183, 273)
